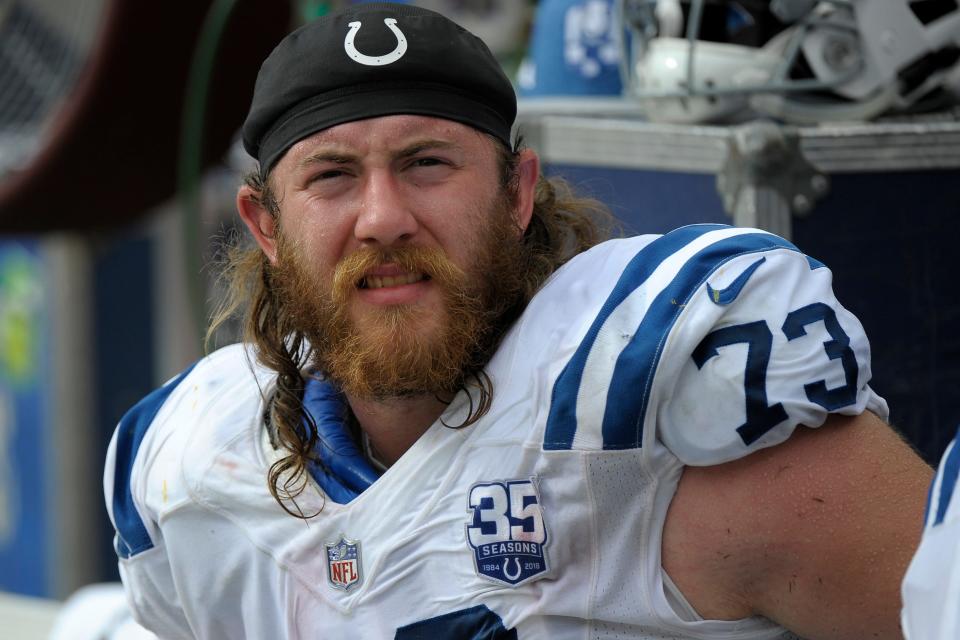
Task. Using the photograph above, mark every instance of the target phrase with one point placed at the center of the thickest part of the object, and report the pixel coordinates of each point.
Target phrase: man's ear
(528, 172)
(259, 220)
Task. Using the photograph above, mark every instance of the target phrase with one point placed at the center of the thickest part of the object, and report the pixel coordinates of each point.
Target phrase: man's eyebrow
(336, 157)
(425, 145)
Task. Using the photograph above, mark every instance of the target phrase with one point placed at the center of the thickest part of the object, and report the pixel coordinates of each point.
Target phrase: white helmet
(802, 61)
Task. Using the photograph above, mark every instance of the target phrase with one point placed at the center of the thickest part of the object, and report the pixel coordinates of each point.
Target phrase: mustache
(433, 263)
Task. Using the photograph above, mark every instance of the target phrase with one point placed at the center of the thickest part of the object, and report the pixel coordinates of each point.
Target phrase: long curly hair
(563, 225)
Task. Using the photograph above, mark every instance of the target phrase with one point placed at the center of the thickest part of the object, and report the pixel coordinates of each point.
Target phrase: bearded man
(455, 415)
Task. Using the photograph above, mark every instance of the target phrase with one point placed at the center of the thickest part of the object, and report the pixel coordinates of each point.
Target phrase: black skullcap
(315, 79)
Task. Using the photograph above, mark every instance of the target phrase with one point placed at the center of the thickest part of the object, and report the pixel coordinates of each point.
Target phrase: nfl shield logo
(343, 564)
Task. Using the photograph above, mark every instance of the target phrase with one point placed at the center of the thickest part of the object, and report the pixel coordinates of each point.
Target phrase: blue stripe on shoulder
(132, 536)
(636, 366)
(629, 390)
(947, 473)
(562, 419)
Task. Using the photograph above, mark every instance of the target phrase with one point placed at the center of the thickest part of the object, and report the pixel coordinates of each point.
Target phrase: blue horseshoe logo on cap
(375, 61)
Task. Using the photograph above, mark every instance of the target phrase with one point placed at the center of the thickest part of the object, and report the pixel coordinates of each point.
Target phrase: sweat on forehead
(373, 60)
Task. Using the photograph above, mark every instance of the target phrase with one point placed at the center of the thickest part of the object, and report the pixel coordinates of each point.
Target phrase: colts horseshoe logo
(514, 577)
(375, 61)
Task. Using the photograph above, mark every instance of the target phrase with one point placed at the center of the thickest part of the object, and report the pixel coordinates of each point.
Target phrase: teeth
(378, 282)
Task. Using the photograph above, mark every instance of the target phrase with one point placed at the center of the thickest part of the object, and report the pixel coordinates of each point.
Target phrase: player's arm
(930, 586)
(815, 533)
(797, 502)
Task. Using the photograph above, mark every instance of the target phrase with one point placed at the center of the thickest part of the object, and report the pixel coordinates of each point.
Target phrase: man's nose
(385, 217)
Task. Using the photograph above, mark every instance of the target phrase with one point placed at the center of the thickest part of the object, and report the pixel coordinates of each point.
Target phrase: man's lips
(390, 276)
(379, 282)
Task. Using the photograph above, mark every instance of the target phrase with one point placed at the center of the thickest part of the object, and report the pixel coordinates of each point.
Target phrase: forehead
(390, 134)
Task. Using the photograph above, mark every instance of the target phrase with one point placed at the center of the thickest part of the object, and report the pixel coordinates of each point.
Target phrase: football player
(931, 588)
(456, 415)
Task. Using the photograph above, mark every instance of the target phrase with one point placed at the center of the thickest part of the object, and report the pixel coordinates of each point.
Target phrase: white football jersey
(543, 519)
(931, 587)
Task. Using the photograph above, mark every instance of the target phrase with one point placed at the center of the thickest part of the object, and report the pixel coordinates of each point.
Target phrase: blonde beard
(398, 350)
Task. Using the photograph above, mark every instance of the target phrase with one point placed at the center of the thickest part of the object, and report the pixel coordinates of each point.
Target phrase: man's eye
(427, 162)
(328, 175)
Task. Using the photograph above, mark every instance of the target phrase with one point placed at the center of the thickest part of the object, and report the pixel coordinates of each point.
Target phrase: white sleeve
(931, 587)
(759, 345)
(713, 341)
(144, 567)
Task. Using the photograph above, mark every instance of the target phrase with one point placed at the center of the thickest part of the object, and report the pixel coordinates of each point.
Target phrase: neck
(394, 424)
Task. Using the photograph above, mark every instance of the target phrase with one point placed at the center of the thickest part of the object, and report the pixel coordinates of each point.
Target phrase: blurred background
(119, 162)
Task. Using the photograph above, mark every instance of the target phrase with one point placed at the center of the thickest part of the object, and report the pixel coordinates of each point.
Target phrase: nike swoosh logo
(726, 296)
